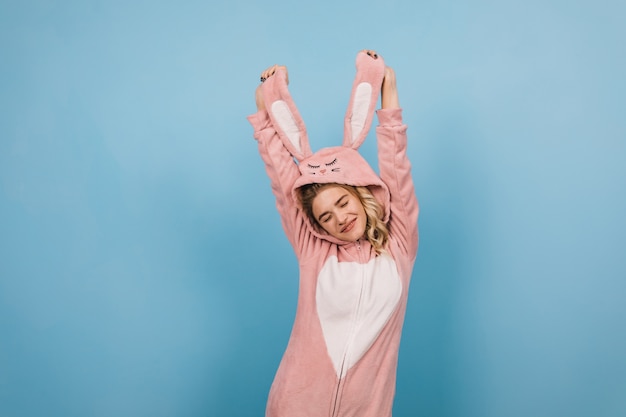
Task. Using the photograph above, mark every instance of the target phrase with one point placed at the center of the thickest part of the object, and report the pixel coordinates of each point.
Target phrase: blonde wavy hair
(376, 230)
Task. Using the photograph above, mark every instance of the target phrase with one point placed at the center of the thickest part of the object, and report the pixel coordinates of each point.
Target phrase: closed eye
(342, 201)
(334, 161)
(313, 166)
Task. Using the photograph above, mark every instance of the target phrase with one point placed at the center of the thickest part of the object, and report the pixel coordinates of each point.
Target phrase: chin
(358, 235)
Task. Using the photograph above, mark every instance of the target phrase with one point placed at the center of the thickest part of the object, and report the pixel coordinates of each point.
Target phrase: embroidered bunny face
(327, 162)
(338, 164)
(321, 168)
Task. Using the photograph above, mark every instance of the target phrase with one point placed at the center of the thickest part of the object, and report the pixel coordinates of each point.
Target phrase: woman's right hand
(268, 72)
(389, 90)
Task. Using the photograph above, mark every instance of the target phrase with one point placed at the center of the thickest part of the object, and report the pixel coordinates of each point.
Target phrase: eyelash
(331, 163)
(342, 205)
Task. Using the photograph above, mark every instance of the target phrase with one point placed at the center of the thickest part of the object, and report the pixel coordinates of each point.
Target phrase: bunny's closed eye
(325, 168)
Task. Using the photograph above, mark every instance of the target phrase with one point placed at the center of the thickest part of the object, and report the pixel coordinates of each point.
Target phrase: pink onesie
(342, 354)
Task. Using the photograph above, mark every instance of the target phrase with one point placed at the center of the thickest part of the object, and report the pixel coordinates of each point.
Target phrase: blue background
(143, 270)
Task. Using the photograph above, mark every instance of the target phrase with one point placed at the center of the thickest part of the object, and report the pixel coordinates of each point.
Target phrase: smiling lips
(349, 226)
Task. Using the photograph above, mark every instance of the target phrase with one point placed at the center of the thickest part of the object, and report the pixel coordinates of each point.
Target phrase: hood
(340, 165)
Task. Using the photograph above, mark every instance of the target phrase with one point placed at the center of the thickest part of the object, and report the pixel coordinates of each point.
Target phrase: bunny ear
(363, 99)
(285, 116)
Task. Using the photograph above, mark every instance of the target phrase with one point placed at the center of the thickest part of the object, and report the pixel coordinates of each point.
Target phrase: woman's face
(340, 213)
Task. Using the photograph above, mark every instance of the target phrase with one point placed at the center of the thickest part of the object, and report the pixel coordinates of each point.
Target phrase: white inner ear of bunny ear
(360, 108)
(287, 123)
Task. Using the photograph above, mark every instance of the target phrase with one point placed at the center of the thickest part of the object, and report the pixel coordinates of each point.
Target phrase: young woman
(355, 236)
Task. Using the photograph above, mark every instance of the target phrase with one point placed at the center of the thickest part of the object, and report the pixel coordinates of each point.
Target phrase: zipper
(336, 402)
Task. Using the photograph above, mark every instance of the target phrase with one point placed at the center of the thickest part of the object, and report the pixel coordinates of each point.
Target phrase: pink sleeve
(281, 169)
(395, 171)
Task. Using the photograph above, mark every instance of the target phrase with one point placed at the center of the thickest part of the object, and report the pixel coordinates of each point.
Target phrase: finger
(269, 72)
(372, 53)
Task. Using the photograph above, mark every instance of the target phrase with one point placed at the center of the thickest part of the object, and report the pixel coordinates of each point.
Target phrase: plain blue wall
(143, 271)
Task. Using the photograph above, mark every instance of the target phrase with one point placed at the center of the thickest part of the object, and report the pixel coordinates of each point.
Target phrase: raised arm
(394, 166)
(279, 164)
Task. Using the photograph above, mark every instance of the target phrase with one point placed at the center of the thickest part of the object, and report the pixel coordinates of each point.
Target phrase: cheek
(320, 225)
(363, 216)
(326, 227)
(358, 208)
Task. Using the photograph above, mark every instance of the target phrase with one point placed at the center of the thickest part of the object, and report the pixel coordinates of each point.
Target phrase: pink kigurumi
(342, 353)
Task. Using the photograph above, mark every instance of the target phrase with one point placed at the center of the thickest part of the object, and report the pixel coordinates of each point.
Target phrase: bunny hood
(340, 164)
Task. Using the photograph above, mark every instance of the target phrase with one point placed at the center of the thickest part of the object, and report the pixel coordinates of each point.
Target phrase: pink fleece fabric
(342, 354)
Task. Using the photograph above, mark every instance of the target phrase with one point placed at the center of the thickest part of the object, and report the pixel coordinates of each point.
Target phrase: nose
(323, 170)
